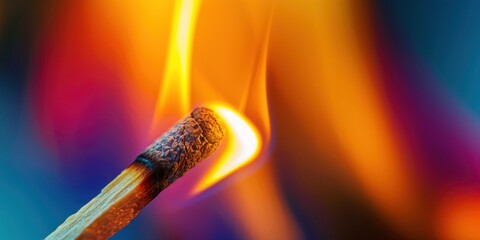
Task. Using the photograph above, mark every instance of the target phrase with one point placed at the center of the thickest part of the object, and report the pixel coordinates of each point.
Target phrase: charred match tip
(211, 124)
(191, 140)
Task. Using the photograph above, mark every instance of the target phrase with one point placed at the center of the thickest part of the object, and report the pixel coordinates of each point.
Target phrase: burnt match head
(191, 140)
(211, 124)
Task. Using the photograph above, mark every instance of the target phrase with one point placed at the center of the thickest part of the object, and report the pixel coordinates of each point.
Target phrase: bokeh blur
(368, 114)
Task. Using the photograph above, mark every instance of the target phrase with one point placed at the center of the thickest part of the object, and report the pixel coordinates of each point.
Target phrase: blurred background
(367, 114)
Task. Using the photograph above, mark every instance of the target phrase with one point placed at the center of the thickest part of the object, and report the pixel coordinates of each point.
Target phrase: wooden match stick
(168, 158)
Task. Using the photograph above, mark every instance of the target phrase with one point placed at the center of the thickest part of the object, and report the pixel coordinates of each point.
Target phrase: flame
(243, 141)
(174, 95)
(242, 146)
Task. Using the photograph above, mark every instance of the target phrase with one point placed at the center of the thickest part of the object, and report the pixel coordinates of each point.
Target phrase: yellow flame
(242, 146)
(174, 95)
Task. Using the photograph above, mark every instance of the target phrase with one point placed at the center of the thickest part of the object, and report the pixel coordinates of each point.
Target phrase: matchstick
(168, 158)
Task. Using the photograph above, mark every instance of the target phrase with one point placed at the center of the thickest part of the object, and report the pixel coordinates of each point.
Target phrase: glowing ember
(242, 146)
